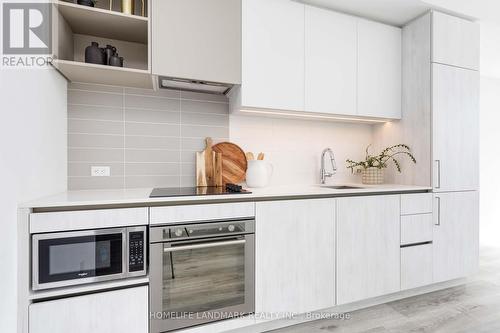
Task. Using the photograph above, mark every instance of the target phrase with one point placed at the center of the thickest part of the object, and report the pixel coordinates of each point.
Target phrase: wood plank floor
(470, 308)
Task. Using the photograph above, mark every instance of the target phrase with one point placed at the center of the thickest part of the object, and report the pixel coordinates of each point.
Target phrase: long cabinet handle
(438, 211)
(438, 174)
(202, 246)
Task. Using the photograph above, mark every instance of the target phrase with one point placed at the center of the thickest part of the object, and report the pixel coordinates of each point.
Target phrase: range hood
(194, 85)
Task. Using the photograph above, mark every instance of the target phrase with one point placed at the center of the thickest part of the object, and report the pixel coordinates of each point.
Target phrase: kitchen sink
(342, 187)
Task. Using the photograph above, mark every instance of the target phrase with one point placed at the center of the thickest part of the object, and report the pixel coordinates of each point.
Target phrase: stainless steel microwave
(78, 257)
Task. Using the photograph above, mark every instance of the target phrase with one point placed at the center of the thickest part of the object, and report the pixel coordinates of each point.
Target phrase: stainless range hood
(193, 85)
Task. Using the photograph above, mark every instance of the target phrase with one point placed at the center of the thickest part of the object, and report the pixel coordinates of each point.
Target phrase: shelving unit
(104, 23)
(76, 71)
(76, 26)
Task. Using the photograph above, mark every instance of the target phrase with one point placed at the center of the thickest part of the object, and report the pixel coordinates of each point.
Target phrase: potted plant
(372, 168)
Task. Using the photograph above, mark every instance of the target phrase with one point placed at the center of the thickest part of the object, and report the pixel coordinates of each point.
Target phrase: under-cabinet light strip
(313, 116)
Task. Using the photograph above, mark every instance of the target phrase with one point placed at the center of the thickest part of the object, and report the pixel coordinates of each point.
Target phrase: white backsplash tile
(294, 146)
(143, 135)
(150, 138)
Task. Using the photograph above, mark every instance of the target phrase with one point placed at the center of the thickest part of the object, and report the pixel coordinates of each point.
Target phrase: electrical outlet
(100, 171)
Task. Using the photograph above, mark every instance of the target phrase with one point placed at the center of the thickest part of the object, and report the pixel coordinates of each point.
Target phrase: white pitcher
(258, 173)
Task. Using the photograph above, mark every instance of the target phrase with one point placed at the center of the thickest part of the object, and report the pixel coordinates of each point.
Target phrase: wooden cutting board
(234, 162)
(208, 166)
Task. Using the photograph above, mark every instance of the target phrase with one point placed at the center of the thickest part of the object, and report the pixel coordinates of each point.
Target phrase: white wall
(33, 160)
(490, 161)
(489, 134)
(294, 146)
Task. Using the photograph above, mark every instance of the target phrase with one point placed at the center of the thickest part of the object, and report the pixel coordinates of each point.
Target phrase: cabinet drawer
(175, 214)
(88, 219)
(416, 229)
(416, 266)
(418, 203)
(124, 311)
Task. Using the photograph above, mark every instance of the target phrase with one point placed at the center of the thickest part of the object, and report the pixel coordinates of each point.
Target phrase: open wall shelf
(76, 26)
(104, 23)
(115, 76)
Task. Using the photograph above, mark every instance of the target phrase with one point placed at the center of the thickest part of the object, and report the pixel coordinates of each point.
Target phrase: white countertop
(141, 195)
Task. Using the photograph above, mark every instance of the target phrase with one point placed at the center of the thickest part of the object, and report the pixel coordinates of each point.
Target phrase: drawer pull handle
(438, 174)
(438, 211)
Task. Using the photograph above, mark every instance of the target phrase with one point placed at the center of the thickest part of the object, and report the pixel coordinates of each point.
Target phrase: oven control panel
(136, 251)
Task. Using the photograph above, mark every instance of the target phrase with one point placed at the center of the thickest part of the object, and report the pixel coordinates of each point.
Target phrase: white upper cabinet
(368, 247)
(330, 56)
(455, 41)
(455, 122)
(379, 70)
(272, 54)
(198, 40)
(304, 59)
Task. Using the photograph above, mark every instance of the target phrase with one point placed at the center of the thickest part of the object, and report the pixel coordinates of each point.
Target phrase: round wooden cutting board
(234, 162)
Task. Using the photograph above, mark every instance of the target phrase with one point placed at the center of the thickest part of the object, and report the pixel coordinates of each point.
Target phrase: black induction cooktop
(196, 191)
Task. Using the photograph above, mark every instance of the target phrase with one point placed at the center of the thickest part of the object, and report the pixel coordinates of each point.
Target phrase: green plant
(381, 160)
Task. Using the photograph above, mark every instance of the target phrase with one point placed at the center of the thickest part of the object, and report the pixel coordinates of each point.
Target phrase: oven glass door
(65, 257)
(201, 281)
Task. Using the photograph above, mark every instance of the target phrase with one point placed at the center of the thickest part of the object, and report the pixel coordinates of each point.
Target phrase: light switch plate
(100, 171)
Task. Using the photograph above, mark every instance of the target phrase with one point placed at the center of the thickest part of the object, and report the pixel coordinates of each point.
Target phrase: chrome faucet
(323, 173)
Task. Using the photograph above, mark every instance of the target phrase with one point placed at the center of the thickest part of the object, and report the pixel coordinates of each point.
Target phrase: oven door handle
(202, 246)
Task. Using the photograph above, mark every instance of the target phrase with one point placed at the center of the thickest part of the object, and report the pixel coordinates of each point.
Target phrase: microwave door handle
(203, 246)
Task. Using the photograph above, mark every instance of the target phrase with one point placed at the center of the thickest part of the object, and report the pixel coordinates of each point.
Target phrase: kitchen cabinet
(455, 41)
(455, 115)
(273, 54)
(368, 248)
(192, 213)
(330, 62)
(379, 70)
(416, 229)
(88, 219)
(456, 235)
(416, 203)
(295, 255)
(440, 104)
(124, 310)
(416, 266)
(316, 61)
(199, 40)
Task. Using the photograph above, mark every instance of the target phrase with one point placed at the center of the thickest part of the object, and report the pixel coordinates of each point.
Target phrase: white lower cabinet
(123, 311)
(295, 255)
(456, 235)
(416, 266)
(416, 229)
(368, 247)
(192, 213)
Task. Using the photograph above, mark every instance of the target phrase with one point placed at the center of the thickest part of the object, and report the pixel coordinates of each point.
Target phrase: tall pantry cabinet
(455, 146)
(441, 120)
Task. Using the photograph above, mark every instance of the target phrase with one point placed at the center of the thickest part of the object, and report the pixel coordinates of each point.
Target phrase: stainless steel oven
(200, 273)
(78, 257)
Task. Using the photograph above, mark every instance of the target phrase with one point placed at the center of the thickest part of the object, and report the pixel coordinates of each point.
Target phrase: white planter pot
(372, 176)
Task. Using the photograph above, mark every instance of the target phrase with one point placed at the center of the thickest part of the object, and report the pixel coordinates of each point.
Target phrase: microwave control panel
(136, 251)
